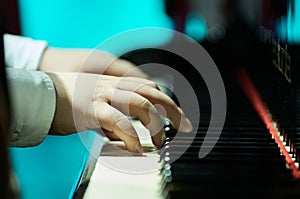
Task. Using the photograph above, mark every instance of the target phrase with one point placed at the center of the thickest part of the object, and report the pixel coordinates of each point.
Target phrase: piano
(257, 153)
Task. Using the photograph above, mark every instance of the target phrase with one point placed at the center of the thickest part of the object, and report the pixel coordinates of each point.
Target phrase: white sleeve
(23, 52)
(32, 97)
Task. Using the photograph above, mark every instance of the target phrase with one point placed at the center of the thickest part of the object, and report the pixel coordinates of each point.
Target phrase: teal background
(77, 23)
(51, 169)
(294, 25)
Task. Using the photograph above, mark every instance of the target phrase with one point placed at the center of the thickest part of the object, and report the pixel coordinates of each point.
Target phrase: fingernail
(139, 149)
(186, 125)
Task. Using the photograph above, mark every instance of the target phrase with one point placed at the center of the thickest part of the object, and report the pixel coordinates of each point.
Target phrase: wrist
(63, 122)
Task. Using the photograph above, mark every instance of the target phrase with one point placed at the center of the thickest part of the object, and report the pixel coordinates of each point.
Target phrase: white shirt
(32, 93)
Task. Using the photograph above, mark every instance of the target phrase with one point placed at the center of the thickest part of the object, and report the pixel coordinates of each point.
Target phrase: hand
(87, 60)
(91, 101)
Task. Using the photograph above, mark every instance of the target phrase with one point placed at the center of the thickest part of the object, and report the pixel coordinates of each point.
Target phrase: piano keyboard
(107, 182)
(119, 174)
(245, 162)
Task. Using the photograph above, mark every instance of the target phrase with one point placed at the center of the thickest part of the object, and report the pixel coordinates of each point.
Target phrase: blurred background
(52, 169)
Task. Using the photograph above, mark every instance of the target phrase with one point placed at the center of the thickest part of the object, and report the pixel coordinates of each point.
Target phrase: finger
(114, 121)
(127, 82)
(122, 67)
(103, 62)
(105, 133)
(174, 113)
(133, 82)
(135, 105)
(111, 135)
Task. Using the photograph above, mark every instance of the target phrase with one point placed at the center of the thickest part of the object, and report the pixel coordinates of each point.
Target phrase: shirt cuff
(23, 52)
(33, 100)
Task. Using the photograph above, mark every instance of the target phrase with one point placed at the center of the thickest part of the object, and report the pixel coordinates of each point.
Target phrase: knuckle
(145, 104)
(120, 122)
(105, 113)
(156, 94)
(152, 84)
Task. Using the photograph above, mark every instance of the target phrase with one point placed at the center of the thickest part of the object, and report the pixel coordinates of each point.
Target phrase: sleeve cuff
(33, 101)
(23, 52)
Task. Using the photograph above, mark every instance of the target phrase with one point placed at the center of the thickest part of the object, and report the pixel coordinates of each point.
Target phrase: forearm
(87, 60)
(62, 60)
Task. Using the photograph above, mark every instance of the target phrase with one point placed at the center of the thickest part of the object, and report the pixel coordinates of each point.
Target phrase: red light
(254, 97)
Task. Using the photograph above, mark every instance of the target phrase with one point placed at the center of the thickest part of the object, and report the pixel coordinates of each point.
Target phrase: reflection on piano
(258, 152)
